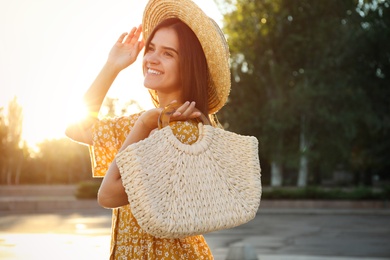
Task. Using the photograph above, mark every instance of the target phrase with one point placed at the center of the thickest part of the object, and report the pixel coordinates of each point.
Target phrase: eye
(168, 54)
(150, 48)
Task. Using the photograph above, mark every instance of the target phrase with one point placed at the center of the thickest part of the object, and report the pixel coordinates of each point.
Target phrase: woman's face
(161, 62)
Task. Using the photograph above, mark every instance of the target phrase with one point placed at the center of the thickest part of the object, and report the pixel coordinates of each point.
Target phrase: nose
(151, 58)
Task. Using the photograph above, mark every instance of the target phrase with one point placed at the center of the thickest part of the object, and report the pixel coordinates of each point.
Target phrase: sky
(52, 50)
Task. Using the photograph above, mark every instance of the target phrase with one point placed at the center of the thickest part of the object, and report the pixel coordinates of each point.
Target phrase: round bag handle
(165, 116)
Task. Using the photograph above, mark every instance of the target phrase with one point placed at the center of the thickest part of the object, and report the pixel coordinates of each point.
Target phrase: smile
(155, 72)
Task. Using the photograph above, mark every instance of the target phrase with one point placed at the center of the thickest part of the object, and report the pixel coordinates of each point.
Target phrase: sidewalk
(302, 235)
(85, 234)
(33, 222)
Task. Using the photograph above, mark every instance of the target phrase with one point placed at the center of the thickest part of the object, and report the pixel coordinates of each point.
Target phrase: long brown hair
(193, 71)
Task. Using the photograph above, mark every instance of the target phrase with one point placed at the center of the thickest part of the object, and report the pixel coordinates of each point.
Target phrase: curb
(33, 204)
(52, 198)
(38, 204)
(325, 204)
(319, 211)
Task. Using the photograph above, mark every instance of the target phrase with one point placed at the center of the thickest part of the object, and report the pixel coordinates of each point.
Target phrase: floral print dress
(128, 240)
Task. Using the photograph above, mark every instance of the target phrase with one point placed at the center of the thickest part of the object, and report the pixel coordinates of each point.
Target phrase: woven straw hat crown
(210, 37)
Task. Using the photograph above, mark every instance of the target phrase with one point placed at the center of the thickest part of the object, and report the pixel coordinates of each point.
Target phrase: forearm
(122, 54)
(95, 95)
(93, 99)
(111, 192)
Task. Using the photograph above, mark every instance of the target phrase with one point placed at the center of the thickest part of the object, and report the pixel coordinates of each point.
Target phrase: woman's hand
(122, 54)
(148, 121)
(126, 49)
(184, 112)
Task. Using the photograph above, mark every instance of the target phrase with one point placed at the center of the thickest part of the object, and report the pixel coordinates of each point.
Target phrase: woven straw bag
(177, 190)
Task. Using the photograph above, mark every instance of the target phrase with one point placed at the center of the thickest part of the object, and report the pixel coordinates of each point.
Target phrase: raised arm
(123, 54)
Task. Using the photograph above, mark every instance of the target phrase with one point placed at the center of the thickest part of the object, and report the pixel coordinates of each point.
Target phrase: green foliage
(386, 192)
(88, 189)
(61, 161)
(320, 68)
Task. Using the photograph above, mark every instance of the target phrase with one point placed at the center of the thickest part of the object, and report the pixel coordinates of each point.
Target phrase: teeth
(151, 71)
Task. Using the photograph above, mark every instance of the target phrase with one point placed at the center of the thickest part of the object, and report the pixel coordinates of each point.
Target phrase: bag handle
(165, 115)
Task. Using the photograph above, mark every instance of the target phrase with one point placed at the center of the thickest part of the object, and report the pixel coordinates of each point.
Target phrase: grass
(87, 190)
(317, 193)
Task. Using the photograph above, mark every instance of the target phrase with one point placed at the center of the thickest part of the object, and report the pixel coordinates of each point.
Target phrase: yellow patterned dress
(128, 240)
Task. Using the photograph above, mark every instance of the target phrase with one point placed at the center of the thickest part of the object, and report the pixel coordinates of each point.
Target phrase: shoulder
(117, 122)
(114, 127)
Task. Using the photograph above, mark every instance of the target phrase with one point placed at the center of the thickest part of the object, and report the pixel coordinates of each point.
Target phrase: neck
(166, 98)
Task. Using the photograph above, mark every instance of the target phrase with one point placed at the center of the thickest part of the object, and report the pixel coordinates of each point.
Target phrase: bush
(386, 192)
(316, 193)
(87, 189)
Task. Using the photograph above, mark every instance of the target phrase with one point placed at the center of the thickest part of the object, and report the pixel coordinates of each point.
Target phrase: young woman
(186, 61)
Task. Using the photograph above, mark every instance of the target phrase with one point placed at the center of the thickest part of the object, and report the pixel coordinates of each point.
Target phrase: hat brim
(210, 37)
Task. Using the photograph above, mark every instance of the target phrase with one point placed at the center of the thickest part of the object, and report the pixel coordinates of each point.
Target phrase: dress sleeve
(107, 138)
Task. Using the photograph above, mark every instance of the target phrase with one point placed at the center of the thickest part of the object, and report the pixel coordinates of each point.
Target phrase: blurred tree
(62, 161)
(14, 150)
(3, 145)
(258, 80)
(371, 148)
(58, 161)
(294, 68)
(111, 107)
(326, 104)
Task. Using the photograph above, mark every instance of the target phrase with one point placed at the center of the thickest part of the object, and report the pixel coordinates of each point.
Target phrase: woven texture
(210, 36)
(177, 190)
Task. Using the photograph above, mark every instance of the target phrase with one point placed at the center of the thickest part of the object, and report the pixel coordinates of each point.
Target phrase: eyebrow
(165, 48)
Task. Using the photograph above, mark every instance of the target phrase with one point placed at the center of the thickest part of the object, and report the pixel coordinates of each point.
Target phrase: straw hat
(210, 37)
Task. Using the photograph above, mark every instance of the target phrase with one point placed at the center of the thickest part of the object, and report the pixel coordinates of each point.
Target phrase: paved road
(273, 234)
(306, 235)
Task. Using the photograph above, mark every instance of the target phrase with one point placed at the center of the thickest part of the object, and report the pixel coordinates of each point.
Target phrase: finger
(136, 35)
(195, 114)
(189, 110)
(181, 109)
(131, 35)
(139, 31)
(120, 39)
(141, 45)
(133, 30)
(137, 48)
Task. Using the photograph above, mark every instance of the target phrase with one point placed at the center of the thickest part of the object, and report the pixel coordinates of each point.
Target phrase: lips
(154, 72)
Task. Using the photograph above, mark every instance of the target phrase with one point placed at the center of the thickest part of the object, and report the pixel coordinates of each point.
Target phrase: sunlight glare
(45, 121)
(63, 56)
(75, 112)
(53, 246)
